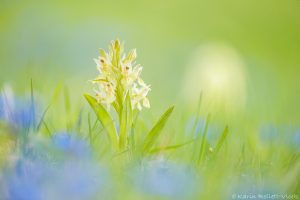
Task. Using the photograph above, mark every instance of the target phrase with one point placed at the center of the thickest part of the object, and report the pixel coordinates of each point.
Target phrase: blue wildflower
(26, 179)
(214, 131)
(297, 140)
(71, 179)
(292, 140)
(195, 127)
(268, 133)
(77, 179)
(68, 143)
(40, 175)
(17, 112)
(1, 107)
(166, 180)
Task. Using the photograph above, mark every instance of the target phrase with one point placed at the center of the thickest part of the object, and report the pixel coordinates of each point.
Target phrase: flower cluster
(119, 75)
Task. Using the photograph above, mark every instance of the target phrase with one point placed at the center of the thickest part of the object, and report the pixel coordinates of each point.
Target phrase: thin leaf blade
(171, 147)
(203, 140)
(104, 118)
(222, 139)
(156, 130)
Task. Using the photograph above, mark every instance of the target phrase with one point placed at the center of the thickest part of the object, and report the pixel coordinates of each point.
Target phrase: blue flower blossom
(297, 140)
(41, 174)
(268, 133)
(292, 140)
(68, 143)
(25, 181)
(214, 131)
(17, 112)
(1, 107)
(195, 128)
(166, 180)
(75, 179)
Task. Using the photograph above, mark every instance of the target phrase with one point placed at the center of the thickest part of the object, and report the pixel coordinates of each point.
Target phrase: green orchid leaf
(104, 118)
(156, 130)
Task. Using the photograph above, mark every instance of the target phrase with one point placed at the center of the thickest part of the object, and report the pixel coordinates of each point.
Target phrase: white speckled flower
(139, 96)
(119, 75)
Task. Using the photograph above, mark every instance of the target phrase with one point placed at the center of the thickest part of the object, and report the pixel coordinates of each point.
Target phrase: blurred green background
(53, 41)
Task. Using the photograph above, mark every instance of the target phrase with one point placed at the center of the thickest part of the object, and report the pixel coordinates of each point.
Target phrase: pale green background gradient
(51, 41)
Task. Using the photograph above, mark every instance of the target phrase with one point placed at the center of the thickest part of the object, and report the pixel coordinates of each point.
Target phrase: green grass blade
(47, 128)
(105, 120)
(78, 124)
(42, 118)
(156, 130)
(90, 128)
(203, 140)
(52, 101)
(290, 181)
(125, 122)
(197, 114)
(171, 147)
(67, 108)
(222, 139)
(32, 106)
(56, 93)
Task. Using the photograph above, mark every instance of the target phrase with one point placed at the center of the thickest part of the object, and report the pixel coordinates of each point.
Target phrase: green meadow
(149, 100)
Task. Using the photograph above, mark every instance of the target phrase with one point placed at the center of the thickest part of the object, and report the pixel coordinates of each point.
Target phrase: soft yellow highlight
(219, 73)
